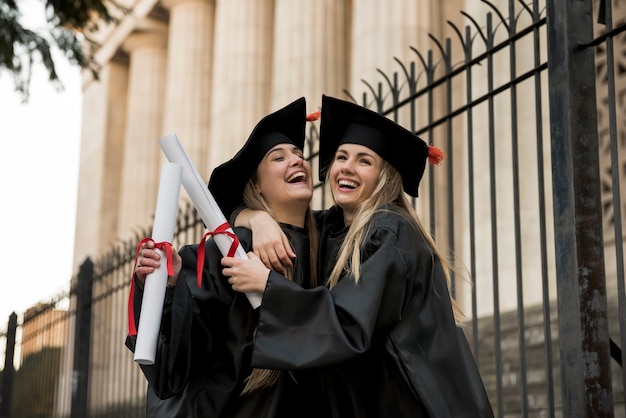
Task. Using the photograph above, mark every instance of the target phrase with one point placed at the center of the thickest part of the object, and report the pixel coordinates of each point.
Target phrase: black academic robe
(203, 354)
(386, 346)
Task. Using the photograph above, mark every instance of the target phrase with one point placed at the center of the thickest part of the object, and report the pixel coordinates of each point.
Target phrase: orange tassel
(311, 117)
(435, 155)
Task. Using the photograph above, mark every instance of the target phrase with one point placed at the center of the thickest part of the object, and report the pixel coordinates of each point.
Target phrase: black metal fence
(528, 102)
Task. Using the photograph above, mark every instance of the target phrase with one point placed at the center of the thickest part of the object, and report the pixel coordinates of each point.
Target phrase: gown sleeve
(165, 376)
(187, 345)
(300, 328)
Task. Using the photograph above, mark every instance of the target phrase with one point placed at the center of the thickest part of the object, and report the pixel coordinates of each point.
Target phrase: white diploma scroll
(203, 201)
(156, 282)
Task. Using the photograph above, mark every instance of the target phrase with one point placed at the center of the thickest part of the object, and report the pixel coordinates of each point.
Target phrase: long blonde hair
(388, 191)
(262, 378)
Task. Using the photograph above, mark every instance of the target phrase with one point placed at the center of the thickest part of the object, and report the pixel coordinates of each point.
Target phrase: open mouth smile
(347, 184)
(298, 177)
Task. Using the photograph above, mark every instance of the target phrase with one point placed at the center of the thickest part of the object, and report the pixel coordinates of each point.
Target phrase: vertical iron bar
(118, 355)
(379, 97)
(545, 284)
(607, 16)
(80, 376)
(579, 243)
(494, 216)
(412, 89)
(413, 97)
(431, 174)
(472, 192)
(516, 211)
(450, 163)
(395, 92)
(8, 374)
(106, 301)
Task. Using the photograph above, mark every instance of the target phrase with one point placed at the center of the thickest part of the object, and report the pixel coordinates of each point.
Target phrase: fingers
(227, 267)
(231, 266)
(140, 275)
(276, 260)
(279, 255)
(290, 252)
(285, 252)
(235, 286)
(147, 260)
(142, 270)
(245, 275)
(239, 287)
(270, 259)
(237, 282)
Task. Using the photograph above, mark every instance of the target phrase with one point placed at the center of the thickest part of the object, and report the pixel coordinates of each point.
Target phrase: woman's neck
(348, 217)
(290, 217)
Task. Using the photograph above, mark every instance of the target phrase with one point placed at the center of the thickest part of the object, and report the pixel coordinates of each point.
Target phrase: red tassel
(435, 155)
(312, 117)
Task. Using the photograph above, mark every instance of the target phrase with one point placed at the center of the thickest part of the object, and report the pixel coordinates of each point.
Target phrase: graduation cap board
(228, 180)
(347, 123)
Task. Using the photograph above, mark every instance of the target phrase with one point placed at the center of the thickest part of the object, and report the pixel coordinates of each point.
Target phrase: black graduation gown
(387, 346)
(203, 354)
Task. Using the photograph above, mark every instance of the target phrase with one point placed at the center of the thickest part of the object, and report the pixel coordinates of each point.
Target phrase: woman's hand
(246, 275)
(269, 242)
(149, 259)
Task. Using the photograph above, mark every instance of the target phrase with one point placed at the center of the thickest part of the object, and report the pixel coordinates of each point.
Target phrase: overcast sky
(38, 182)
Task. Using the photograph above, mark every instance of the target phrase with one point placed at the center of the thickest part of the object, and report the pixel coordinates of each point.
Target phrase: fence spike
(476, 25)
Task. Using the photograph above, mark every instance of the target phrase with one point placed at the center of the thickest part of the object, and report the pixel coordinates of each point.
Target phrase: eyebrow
(358, 154)
(281, 148)
(275, 149)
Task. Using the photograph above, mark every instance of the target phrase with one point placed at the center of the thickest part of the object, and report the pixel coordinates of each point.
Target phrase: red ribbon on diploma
(165, 246)
(222, 229)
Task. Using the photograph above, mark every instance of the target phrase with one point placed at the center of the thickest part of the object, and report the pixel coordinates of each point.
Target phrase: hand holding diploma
(156, 282)
(206, 205)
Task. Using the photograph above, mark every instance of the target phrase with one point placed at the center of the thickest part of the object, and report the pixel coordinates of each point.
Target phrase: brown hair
(262, 378)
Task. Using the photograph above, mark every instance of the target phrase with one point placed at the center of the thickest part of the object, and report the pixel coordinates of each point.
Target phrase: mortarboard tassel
(312, 117)
(435, 155)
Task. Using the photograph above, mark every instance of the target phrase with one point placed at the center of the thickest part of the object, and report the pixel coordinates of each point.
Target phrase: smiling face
(284, 179)
(353, 176)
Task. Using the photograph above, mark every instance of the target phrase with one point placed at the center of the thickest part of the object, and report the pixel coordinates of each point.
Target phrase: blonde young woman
(383, 331)
(203, 358)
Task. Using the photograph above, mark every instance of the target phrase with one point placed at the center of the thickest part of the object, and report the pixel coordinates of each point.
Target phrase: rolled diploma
(203, 201)
(156, 282)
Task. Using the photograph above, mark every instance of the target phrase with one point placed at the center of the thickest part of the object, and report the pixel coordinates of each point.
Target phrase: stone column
(100, 159)
(141, 168)
(189, 68)
(310, 51)
(241, 78)
(310, 58)
(384, 29)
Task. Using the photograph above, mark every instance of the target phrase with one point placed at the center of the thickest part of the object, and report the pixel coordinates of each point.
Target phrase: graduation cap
(286, 125)
(347, 123)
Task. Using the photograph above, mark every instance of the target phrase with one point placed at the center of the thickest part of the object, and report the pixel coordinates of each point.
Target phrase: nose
(346, 166)
(297, 159)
